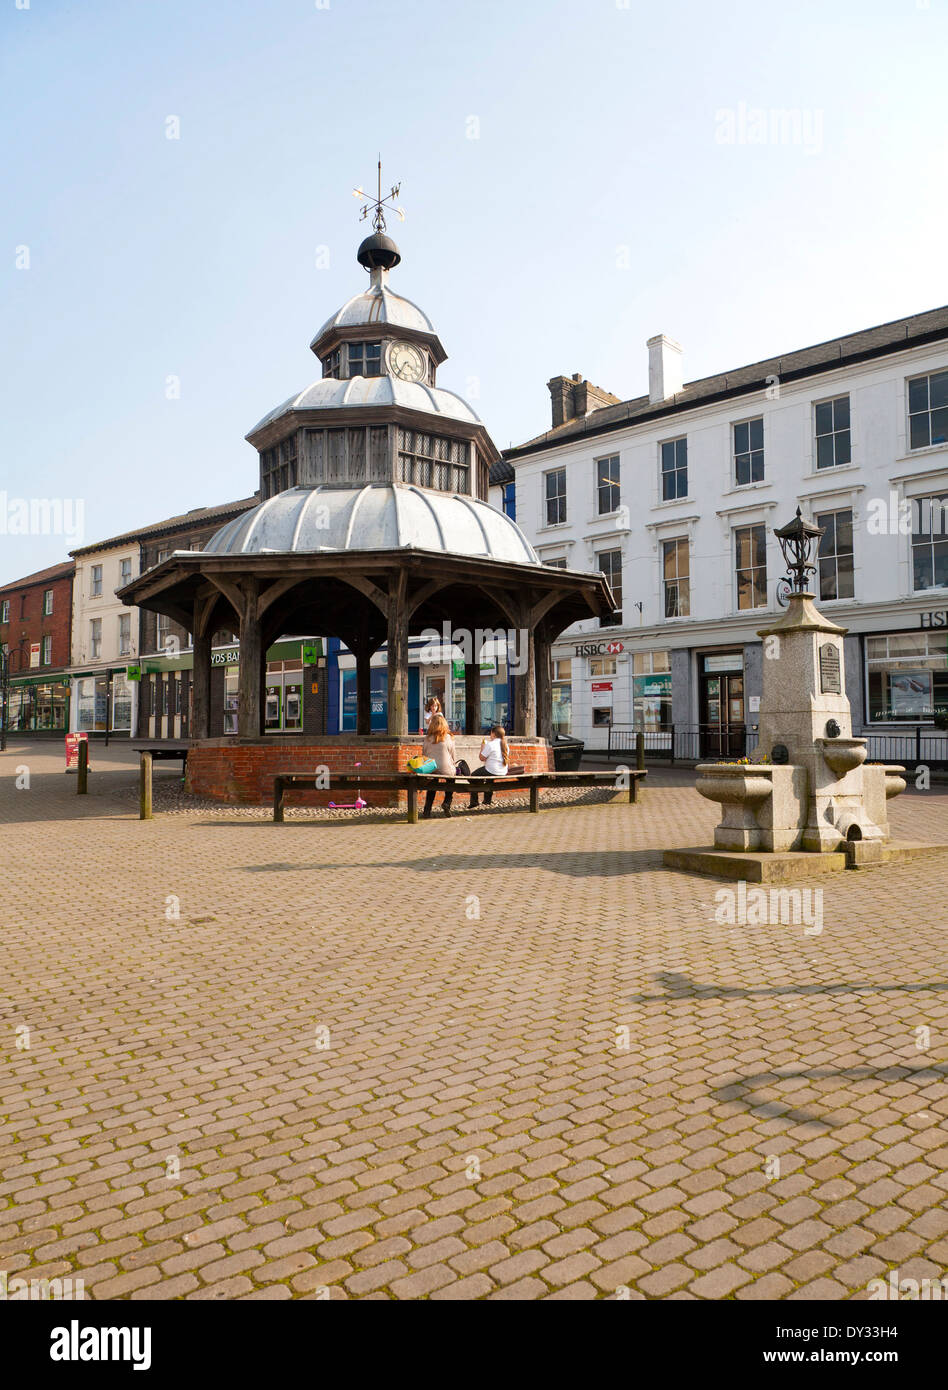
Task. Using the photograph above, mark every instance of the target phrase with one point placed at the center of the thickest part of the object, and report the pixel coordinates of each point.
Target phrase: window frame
(558, 497)
(46, 649)
(835, 433)
(47, 603)
(679, 578)
(611, 487)
(614, 620)
(753, 570)
(929, 410)
(836, 554)
(929, 540)
(752, 454)
(678, 470)
(95, 581)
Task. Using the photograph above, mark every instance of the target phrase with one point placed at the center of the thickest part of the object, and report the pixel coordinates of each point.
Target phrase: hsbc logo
(598, 648)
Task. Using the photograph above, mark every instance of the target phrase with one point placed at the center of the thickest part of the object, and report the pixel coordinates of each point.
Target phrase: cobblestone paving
(473, 1128)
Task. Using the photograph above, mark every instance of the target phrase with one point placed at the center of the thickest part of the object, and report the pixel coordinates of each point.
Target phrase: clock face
(407, 362)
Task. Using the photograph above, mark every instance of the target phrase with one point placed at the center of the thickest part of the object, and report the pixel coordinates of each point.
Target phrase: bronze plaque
(829, 670)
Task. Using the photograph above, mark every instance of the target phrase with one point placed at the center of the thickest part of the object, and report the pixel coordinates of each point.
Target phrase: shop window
(651, 691)
(833, 441)
(750, 545)
(674, 455)
(121, 705)
(231, 699)
(907, 676)
(602, 666)
(562, 685)
(676, 577)
(929, 542)
(835, 554)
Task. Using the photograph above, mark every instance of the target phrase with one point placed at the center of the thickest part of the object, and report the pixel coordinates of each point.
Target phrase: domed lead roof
(377, 305)
(330, 394)
(374, 517)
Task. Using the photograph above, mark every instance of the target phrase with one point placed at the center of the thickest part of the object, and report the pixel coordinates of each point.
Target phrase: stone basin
(734, 784)
(843, 754)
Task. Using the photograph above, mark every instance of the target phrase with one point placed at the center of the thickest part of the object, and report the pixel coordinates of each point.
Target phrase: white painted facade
(885, 597)
(100, 694)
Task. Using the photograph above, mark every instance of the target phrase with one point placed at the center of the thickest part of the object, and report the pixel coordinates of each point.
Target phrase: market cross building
(374, 525)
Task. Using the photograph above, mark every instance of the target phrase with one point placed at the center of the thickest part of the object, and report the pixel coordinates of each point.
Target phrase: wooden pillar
(525, 699)
(250, 679)
(201, 686)
(472, 698)
(144, 788)
(544, 687)
(363, 659)
(398, 658)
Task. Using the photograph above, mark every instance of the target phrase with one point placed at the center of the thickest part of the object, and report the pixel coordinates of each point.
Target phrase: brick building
(35, 626)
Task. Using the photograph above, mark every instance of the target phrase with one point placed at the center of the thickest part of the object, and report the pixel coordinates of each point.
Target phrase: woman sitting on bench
(439, 745)
(495, 755)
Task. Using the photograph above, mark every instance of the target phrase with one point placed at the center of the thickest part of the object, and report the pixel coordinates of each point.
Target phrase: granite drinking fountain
(807, 791)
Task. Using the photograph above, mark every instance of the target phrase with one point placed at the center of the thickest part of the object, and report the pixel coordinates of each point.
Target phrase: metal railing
(694, 743)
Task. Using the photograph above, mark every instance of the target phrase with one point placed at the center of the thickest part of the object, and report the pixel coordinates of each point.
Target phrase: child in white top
(495, 755)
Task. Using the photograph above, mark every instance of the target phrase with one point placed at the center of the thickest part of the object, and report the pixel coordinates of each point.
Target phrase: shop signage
(133, 673)
(310, 654)
(937, 619)
(34, 653)
(230, 657)
(598, 648)
(729, 661)
(599, 686)
(72, 750)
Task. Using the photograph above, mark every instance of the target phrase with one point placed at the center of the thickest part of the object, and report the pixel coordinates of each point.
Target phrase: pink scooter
(357, 805)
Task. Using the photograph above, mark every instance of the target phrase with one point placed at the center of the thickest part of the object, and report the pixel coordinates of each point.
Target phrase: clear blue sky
(600, 128)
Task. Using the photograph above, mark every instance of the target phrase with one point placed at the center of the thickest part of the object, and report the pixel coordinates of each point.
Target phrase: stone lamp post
(808, 787)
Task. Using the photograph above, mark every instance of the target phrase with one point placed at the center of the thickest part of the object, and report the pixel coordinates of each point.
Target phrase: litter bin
(567, 753)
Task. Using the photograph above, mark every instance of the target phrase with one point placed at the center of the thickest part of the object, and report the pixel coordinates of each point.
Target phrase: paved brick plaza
(456, 1045)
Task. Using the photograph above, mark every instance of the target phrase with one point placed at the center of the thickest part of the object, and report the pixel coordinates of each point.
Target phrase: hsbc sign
(598, 648)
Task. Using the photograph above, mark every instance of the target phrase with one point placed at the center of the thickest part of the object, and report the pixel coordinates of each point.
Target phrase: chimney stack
(574, 398)
(664, 368)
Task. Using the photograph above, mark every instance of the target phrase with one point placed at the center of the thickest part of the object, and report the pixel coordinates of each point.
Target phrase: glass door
(722, 716)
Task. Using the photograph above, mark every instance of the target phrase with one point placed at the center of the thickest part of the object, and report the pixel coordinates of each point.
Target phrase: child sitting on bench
(495, 755)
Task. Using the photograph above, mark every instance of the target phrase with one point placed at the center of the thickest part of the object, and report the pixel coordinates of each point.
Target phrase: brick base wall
(241, 772)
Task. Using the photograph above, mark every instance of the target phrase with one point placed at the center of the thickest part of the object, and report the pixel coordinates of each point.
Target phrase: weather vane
(377, 204)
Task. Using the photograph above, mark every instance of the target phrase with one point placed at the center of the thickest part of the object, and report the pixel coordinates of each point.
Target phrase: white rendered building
(675, 496)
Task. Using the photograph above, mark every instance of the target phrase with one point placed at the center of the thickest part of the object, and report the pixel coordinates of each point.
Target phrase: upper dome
(373, 518)
(330, 394)
(377, 305)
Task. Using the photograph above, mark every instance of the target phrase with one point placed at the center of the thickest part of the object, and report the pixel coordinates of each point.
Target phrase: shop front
(103, 702)
(442, 679)
(38, 705)
(290, 696)
(722, 732)
(907, 678)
